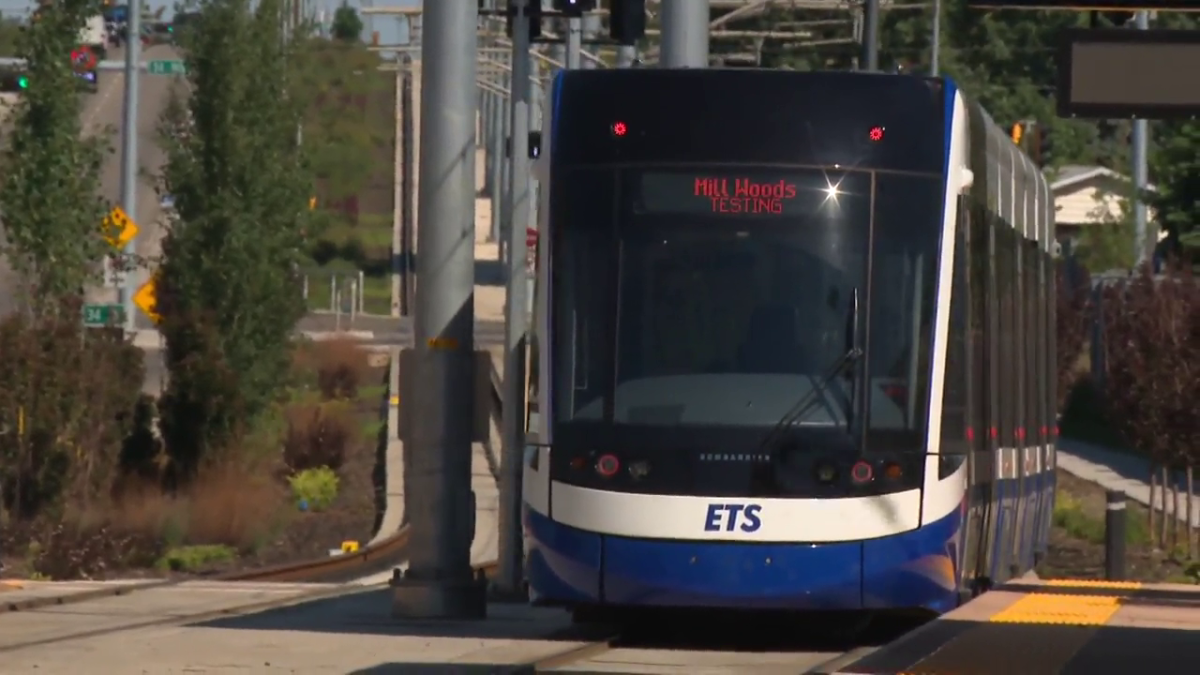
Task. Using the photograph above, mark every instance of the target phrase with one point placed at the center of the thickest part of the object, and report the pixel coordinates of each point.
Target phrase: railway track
(379, 557)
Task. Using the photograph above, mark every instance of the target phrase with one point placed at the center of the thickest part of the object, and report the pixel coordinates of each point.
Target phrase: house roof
(1072, 175)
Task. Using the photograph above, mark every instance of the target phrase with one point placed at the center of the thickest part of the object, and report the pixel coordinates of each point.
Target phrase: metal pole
(626, 55)
(936, 49)
(1143, 247)
(129, 156)
(505, 172)
(591, 29)
(407, 185)
(496, 167)
(1114, 536)
(870, 36)
(439, 581)
(398, 192)
(513, 432)
(574, 42)
(684, 33)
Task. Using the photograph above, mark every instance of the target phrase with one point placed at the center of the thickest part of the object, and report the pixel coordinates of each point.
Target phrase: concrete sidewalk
(1116, 470)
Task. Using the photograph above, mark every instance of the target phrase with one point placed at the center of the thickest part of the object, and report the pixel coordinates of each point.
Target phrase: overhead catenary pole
(574, 42)
(870, 36)
(1143, 244)
(439, 581)
(398, 169)
(936, 40)
(515, 312)
(685, 33)
(591, 30)
(129, 161)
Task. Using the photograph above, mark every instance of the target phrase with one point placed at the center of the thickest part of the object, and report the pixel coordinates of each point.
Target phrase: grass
(1070, 515)
(377, 290)
(193, 558)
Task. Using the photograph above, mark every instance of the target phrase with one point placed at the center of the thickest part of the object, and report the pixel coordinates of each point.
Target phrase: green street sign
(165, 68)
(103, 315)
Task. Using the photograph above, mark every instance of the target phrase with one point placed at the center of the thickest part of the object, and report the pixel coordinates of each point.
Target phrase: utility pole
(1143, 249)
(439, 582)
(684, 33)
(870, 36)
(515, 314)
(936, 40)
(129, 156)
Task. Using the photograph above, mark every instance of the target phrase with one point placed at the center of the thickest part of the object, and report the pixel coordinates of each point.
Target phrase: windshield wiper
(846, 361)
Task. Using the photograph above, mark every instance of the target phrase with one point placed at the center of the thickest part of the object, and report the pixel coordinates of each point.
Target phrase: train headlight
(826, 472)
(608, 465)
(638, 470)
(862, 473)
(893, 471)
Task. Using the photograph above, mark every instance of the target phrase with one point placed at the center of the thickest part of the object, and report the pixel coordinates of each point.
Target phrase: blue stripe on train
(915, 569)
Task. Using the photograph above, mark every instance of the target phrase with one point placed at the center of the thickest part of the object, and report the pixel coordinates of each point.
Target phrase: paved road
(389, 331)
(103, 110)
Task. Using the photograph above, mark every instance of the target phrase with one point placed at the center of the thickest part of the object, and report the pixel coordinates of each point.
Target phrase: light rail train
(793, 345)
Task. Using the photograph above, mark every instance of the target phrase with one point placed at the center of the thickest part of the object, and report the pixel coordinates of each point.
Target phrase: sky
(388, 27)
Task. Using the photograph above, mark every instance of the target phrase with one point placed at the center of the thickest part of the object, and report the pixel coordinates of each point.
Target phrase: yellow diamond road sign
(119, 228)
(146, 299)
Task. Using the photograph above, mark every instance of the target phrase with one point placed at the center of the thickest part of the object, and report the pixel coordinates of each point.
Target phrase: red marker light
(608, 466)
(619, 129)
(876, 134)
(862, 473)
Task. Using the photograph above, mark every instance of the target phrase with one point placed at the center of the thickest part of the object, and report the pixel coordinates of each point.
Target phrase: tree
(1072, 321)
(347, 25)
(50, 194)
(66, 393)
(1151, 338)
(227, 291)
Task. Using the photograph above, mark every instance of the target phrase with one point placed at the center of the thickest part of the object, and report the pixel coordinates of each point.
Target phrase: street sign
(1120, 73)
(103, 315)
(83, 58)
(165, 67)
(146, 299)
(119, 228)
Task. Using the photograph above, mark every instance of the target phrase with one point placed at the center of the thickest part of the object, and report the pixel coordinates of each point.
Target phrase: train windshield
(721, 297)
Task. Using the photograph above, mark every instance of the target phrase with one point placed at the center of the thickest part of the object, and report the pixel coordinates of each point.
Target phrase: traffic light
(22, 82)
(574, 8)
(627, 21)
(533, 10)
(1017, 132)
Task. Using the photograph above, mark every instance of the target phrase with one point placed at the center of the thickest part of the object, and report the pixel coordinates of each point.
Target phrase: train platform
(1059, 627)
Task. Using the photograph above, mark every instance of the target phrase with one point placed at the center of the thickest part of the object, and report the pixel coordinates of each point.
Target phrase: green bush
(314, 489)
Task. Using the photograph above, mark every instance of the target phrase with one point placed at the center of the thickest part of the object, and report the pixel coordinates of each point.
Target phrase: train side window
(1020, 330)
(1003, 333)
(993, 331)
(981, 379)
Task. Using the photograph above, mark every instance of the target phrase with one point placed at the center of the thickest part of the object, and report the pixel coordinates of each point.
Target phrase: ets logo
(728, 517)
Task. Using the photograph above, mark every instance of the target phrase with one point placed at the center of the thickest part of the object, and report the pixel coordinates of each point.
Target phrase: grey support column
(685, 33)
(439, 582)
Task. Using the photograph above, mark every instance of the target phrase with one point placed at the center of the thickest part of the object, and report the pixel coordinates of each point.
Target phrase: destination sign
(1118, 73)
(732, 194)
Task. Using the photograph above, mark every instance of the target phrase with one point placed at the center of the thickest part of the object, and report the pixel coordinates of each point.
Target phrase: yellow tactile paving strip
(1020, 639)
(1060, 609)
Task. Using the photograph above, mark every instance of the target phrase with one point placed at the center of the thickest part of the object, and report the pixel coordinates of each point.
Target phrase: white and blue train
(793, 348)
